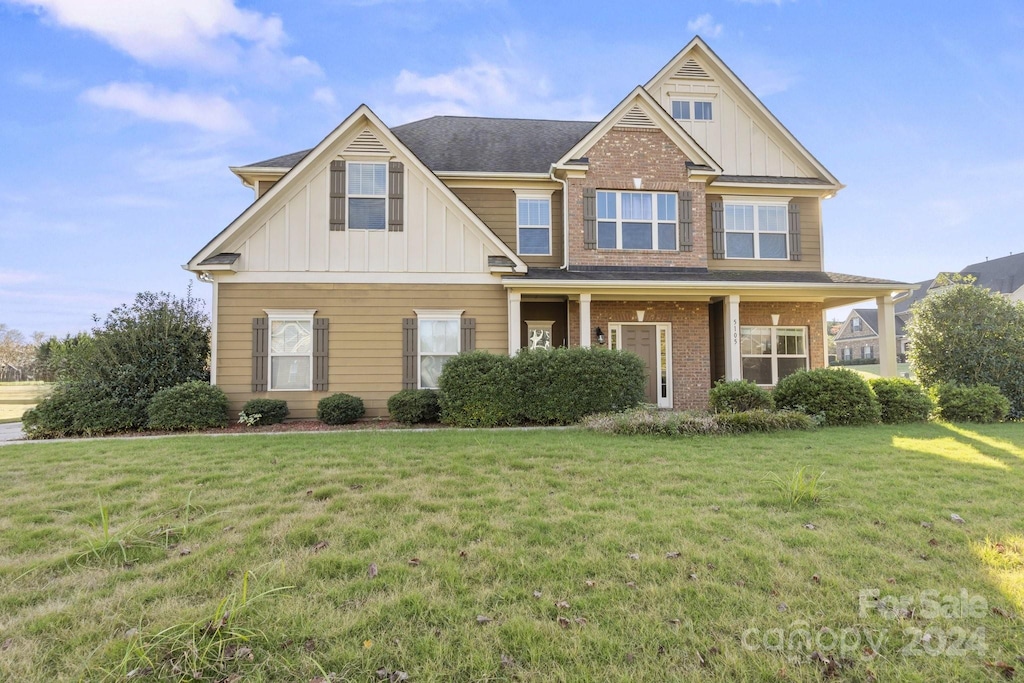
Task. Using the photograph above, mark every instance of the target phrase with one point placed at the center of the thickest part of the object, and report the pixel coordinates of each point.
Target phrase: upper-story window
(533, 223)
(855, 324)
(757, 230)
(691, 110)
(636, 220)
(367, 195)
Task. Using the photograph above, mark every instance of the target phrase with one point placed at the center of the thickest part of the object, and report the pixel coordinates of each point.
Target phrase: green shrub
(646, 421)
(78, 409)
(901, 400)
(477, 390)
(561, 386)
(413, 406)
(738, 396)
(760, 420)
(271, 411)
(839, 396)
(340, 409)
(981, 403)
(192, 405)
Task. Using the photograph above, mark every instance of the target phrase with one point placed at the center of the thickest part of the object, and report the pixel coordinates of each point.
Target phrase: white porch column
(733, 361)
(515, 322)
(886, 336)
(585, 320)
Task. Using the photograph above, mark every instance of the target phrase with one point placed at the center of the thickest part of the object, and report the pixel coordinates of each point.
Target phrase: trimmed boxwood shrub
(739, 395)
(340, 409)
(271, 411)
(192, 405)
(840, 396)
(477, 390)
(981, 403)
(413, 406)
(561, 386)
(901, 400)
(79, 409)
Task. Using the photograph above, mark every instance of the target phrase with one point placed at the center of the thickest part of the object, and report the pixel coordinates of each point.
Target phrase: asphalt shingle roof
(581, 273)
(1004, 275)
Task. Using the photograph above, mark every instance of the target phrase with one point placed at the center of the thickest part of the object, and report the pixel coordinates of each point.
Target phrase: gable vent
(636, 118)
(366, 143)
(691, 69)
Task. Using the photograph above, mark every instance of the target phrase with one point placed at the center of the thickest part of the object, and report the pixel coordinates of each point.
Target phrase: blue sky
(119, 118)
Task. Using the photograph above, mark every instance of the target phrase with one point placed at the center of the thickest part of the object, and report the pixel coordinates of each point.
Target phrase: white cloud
(210, 34)
(704, 25)
(210, 113)
(325, 96)
(17, 277)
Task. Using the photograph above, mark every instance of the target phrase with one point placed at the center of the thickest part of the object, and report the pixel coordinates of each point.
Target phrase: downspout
(565, 217)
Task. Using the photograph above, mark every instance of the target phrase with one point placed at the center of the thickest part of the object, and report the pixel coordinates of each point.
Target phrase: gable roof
(708, 56)
(870, 318)
(1004, 275)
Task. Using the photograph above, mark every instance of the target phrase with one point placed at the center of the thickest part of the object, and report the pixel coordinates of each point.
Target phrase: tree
(17, 355)
(968, 335)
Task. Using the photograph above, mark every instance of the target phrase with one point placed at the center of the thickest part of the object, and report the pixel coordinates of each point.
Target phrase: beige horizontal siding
(365, 333)
(810, 243)
(497, 208)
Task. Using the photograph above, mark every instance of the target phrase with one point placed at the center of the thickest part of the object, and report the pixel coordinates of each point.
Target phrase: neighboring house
(684, 226)
(858, 340)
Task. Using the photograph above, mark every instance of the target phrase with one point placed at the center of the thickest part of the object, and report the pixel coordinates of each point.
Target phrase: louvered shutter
(717, 230)
(396, 196)
(320, 354)
(589, 218)
(794, 232)
(409, 342)
(337, 195)
(260, 344)
(468, 334)
(685, 221)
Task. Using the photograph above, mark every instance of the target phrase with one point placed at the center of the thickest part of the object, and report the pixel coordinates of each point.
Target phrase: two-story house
(684, 226)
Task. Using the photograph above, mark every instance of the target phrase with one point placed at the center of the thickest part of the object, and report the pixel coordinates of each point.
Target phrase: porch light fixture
(600, 336)
(775, 319)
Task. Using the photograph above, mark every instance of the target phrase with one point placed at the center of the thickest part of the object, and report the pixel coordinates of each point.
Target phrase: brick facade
(791, 314)
(615, 160)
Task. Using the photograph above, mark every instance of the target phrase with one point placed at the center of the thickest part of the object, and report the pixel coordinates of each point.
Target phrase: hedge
(738, 396)
(412, 406)
(839, 396)
(192, 405)
(901, 400)
(980, 403)
(340, 409)
(271, 411)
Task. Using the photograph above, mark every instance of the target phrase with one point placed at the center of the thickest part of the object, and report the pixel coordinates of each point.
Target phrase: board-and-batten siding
(810, 242)
(365, 333)
(497, 209)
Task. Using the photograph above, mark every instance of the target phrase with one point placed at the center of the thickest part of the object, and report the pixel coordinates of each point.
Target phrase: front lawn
(514, 555)
(17, 397)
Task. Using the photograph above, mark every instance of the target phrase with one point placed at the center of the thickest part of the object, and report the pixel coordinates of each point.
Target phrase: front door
(643, 341)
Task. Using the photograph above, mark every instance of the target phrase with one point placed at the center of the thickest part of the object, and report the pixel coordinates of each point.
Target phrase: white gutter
(565, 217)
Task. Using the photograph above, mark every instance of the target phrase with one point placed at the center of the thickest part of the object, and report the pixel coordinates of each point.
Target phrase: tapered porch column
(585, 320)
(886, 336)
(515, 322)
(733, 361)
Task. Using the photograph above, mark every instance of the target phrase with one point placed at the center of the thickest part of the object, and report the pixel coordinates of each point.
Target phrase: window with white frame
(533, 223)
(687, 110)
(367, 195)
(855, 324)
(757, 230)
(291, 350)
(636, 220)
(771, 353)
(869, 351)
(847, 353)
(438, 338)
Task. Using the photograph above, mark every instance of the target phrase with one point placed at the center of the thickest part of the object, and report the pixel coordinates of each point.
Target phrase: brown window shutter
(589, 218)
(337, 195)
(468, 334)
(260, 344)
(321, 344)
(794, 232)
(396, 191)
(717, 230)
(410, 330)
(685, 221)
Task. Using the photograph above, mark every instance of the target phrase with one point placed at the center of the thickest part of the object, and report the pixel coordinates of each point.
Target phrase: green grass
(874, 370)
(148, 556)
(17, 397)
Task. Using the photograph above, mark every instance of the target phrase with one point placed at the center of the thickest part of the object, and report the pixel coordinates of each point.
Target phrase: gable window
(533, 224)
(291, 351)
(367, 195)
(855, 324)
(700, 110)
(636, 220)
(771, 353)
(757, 230)
(439, 340)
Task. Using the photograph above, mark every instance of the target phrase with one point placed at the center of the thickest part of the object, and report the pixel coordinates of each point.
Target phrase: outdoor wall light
(600, 336)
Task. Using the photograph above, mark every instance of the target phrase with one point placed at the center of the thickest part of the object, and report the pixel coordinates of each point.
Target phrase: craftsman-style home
(684, 226)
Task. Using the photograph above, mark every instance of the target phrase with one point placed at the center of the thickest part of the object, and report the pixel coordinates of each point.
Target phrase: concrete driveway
(11, 431)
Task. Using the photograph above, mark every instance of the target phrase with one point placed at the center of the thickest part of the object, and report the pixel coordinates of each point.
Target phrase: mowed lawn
(17, 397)
(541, 555)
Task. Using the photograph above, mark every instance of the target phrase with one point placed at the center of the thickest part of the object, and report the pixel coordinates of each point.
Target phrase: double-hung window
(291, 350)
(439, 340)
(700, 109)
(367, 195)
(533, 223)
(758, 230)
(771, 353)
(636, 220)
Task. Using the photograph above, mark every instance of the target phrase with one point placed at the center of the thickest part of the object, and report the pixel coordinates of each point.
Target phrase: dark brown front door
(643, 341)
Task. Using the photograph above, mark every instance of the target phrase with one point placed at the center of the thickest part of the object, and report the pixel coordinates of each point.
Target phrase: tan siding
(497, 208)
(365, 333)
(810, 242)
